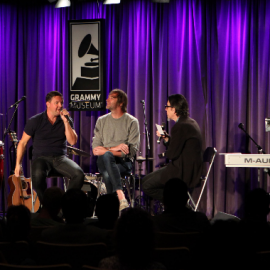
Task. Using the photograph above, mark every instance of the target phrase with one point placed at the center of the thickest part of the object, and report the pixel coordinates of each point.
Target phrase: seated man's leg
(152, 185)
(40, 169)
(71, 170)
(110, 171)
(105, 175)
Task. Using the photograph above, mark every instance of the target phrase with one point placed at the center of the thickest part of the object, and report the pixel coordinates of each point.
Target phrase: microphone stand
(4, 140)
(146, 154)
(147, 138)
(260, 150)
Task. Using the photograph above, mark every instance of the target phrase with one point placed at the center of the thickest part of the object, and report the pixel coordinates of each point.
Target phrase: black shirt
(48, 139)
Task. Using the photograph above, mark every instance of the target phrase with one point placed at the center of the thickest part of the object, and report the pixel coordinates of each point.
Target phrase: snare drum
(1, 162)
(92, 179)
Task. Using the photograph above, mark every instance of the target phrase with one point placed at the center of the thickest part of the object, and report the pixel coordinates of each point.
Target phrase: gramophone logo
(86, 69)
(89, 79)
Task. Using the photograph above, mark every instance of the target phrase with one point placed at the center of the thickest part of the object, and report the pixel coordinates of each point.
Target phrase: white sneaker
(123, 204)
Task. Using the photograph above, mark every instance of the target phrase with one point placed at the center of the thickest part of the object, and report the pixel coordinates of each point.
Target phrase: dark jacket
(185, 152)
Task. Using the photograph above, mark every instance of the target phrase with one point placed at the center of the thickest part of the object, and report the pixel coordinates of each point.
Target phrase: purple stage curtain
(215, 53)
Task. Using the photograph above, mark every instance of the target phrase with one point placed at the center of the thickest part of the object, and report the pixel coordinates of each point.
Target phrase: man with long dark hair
(115, 142)
(184, 150)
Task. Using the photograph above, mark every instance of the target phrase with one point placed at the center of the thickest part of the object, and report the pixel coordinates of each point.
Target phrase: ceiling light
(108, 2)
(62, 3)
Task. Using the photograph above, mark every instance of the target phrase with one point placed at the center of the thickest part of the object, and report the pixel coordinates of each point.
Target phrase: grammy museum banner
(86, 91)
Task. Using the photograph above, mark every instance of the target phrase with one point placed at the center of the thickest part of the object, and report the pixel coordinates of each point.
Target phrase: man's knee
(79, 175)
(108, 156)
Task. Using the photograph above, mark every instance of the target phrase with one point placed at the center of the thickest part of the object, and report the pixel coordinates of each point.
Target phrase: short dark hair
(175, 194)
(134, 229)
(74, 205)
(121, 98)
(52, 199)
(180, 104)
(52, 94)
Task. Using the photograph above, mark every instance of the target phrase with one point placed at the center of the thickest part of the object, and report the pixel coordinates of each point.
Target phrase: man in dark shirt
(184, 150)
(50, 132)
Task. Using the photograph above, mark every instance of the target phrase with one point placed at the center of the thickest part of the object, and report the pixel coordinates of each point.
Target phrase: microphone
(69, 119)
(159, 138)
(23, 98)
(241, 125)
(267, 124)
(142, 101)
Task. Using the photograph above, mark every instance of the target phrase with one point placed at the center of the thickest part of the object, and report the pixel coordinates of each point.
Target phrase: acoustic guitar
(21, 191)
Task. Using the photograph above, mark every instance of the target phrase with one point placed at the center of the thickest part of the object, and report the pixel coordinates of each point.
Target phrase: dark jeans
(111, 168)
(153, 184)
(43, 166)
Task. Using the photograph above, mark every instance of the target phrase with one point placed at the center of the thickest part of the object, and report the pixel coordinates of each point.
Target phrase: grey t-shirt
(110, 132)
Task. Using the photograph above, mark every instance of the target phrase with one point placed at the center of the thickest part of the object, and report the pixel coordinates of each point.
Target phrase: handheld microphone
(163, 127)
(267, 124)
(142, 101)
(23, 98)
(69, 119)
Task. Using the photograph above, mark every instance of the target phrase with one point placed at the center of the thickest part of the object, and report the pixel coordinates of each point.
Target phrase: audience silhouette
(107, 211)
(134, 242)
(18, 223)
(74, 207)
(177, 217)
(51, 207)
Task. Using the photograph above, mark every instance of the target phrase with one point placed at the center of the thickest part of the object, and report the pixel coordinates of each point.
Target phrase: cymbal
(141, 158)
(77, 152)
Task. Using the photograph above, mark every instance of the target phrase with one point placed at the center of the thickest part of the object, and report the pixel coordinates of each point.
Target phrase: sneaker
(123, 204)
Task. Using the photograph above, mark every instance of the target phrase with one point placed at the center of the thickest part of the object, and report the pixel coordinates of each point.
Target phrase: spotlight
(61, 3)
(108, 2)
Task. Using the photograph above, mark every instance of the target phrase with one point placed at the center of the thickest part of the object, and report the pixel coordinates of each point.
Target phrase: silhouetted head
(257, 204)
(107, 210)
(74, 206)
(134, 233)
(18, 222)
(52, 200)
(175, 194)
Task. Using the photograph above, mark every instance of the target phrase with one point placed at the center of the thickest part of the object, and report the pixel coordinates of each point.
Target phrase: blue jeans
(111, 168)
(43, 166)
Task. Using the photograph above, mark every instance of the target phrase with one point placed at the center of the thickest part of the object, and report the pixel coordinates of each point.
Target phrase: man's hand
(99, 151)
(121, 147)
(62, 114)
(17, 170)
(164, 137)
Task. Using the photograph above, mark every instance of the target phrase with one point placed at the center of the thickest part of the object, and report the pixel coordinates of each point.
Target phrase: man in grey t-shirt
(115, 142)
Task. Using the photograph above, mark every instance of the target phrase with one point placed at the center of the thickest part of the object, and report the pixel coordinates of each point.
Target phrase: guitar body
(20, 193)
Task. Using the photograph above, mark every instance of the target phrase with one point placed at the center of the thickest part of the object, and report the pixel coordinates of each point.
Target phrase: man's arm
(100, 150)
(134, 138)
(20, 151)
(70, 133)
